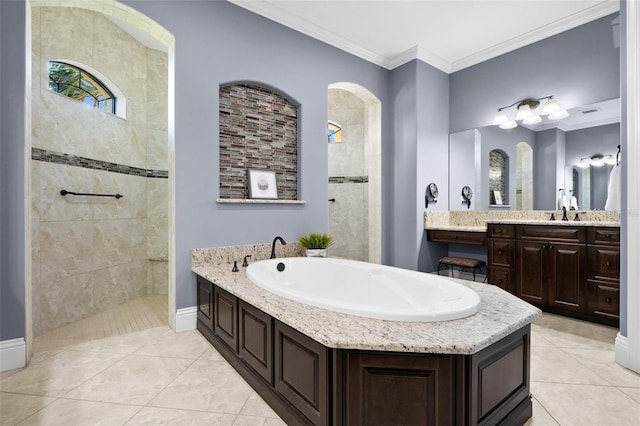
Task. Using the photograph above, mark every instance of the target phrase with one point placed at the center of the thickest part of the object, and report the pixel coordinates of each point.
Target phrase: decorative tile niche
(258, 130)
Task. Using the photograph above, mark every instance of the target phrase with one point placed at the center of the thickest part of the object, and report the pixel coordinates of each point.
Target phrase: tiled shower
(92, 253)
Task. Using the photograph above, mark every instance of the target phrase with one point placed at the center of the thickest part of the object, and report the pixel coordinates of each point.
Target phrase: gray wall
(12, 232)
(233, 44)
(594, 140)
(580, 67)
(549, 146)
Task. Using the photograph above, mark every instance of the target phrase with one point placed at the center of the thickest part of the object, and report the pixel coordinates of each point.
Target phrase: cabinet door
(205, 302)
(567, 282)
(225, 315)
(530, 272)
(602, 300)
(604, 263)
(256, 340)
(301, 373)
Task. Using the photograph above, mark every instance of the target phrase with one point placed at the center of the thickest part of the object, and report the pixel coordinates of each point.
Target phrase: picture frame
(498, 197)
(262, 184)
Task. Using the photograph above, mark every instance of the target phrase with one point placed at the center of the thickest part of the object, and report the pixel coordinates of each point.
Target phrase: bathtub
(365, 289)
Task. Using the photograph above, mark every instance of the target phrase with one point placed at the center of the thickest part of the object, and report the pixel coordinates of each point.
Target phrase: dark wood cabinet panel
(604, 263)
(560, 234)
(225, 315)
(503, 278)
(378, 385)
(501, 253)
(566, 285)
(255, 346)
(501, 231)
(531, 275)
(603, 300)
(301, 373)
(604, 236)
(205, 302)
(457, 237)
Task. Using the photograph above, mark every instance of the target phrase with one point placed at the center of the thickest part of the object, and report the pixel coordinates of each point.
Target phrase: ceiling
(447, 34)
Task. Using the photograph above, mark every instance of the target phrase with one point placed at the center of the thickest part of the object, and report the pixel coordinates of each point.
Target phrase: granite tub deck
(500, 314)
(319, 367)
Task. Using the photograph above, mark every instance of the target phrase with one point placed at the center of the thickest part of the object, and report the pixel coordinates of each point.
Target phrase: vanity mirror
(538, 160)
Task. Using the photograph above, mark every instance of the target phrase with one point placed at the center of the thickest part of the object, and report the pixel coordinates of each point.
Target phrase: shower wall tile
(157, 277)
(58, 37)
(133, 204)
(350, 233)
(54, 178)
(35, 252)
(347, 158)
(120, 283)
(157, 198)
(118, 242)
(35, 191)
(65, 248)
(157, 110)
(157, 150)
(157, 242)
(65, 300)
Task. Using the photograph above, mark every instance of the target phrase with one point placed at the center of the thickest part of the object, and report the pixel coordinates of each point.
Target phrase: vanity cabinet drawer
(225, 317)
(604, 263)
(552, 233)
(501, 231)
(457, 237)
(604, 236)
(503, 278)
(502, 253)
(603, 299)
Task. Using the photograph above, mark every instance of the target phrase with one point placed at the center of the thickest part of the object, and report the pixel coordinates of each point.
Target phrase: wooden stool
(463, 262)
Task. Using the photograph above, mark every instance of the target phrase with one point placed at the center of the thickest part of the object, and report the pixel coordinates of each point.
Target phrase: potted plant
(316, 244)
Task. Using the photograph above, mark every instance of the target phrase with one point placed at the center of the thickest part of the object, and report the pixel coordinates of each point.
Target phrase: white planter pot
(316, 252)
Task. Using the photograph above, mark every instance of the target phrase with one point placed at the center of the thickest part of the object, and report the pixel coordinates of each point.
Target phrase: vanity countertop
(500, 314)
(464, 228)
(556, 222)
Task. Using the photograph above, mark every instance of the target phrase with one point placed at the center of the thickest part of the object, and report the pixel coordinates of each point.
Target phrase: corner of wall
(12, 354)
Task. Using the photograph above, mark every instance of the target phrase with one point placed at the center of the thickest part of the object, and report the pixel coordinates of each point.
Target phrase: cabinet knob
(499, 281)
(608, 236)
(455, 237)
(498, 231)
(607, 299)
(500, 252)
(608, 263)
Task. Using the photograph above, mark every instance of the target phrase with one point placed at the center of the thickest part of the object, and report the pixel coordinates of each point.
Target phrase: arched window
(78, 84)
(334, 132)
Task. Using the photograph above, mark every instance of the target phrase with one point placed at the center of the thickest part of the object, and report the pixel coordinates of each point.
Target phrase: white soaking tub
(365, 289)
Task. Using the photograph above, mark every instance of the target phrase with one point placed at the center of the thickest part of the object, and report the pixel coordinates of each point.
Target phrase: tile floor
(150, 375)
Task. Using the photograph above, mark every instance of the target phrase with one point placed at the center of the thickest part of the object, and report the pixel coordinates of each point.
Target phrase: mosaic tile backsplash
(258, 130)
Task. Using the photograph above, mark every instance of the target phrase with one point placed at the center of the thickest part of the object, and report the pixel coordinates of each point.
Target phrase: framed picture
(262, 184)
(498, 197)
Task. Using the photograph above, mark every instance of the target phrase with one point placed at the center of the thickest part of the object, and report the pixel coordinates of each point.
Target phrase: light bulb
(558, 115)
(551, 105)
(501, 117)
(508, 125)
(584, 163)
(524, 111)
(534, 119)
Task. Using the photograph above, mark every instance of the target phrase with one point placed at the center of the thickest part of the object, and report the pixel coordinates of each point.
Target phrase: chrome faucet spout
(273, 246)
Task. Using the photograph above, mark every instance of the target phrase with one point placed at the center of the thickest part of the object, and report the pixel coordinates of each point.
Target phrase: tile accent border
(90, 163)
(348, 179)
(12, 354)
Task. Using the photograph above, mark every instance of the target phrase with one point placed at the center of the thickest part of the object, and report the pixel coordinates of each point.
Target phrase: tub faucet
(273, 246)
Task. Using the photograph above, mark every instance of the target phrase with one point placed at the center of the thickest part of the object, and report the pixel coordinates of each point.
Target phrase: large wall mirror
(539, 161)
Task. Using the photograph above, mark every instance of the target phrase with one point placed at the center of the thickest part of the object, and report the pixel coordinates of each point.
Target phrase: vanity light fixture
(527, 112)
(597, 161)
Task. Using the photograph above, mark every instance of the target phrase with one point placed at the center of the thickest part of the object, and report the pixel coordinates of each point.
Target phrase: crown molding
(271, 11)
(598, 11)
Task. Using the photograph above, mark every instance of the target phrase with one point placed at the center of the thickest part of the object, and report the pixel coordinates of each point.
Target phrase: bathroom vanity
(569, 268)
(320, 367)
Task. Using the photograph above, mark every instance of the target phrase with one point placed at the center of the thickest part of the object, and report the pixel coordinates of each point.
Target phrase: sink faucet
(564, 213)
(273, 246)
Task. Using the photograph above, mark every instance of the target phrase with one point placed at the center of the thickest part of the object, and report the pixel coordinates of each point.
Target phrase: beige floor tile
(540, 417)
(173, 417)
(68, 412)
(124, 343)
(575, 334)
(257, 421)
(212, 355)
(256, 406)
(16, 407)
(549, 364)
(58, 374)
(133, 380)
(602, 362)
(538, 339)
(206, 386)
(634, 393)
(584, 405)
(188, 344)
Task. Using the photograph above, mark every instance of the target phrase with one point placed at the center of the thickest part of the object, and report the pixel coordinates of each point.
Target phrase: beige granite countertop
(466, 228)
(556, 222)
(500, 314)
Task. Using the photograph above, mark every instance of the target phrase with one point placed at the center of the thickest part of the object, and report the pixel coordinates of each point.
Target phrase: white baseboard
(186, 319)
(12, 354)
(622, 351)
